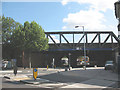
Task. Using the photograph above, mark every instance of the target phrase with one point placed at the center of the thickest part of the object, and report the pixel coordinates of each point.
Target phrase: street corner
(17, 77)
(35, 82)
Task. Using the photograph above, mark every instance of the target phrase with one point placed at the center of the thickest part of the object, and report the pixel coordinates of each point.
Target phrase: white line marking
(8, 71)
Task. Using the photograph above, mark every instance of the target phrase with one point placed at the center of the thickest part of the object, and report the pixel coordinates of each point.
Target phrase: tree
(30, 37)
(8, 26)
(22, 38)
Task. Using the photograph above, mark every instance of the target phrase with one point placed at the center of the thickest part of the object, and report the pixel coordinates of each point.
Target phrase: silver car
(109, 65)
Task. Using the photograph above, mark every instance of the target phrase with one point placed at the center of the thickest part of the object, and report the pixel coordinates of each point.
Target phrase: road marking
(8, 71)
(49, 85)
(92, 83)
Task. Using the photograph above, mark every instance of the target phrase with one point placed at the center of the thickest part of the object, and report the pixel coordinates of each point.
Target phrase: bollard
(95, 66)
(15, 70)
(84, 67)
(54, 66)
(66, 69)
(47, 66)
(35, 73)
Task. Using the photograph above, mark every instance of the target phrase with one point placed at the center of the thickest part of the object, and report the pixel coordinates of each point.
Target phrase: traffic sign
(35, 71)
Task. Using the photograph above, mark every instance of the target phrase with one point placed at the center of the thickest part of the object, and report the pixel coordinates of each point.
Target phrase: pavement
(75, 78)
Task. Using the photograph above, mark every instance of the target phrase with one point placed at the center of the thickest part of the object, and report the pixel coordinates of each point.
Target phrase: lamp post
(84, 44)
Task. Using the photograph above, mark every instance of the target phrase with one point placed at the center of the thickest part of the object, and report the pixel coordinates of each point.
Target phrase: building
(117, 14)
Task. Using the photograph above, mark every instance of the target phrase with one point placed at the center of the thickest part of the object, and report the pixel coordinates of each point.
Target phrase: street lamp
(84, 44)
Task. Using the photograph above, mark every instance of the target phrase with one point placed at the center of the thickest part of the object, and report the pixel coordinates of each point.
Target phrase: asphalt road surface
(53, 76)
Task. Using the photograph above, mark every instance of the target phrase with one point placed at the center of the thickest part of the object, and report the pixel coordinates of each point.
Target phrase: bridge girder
(114, 42)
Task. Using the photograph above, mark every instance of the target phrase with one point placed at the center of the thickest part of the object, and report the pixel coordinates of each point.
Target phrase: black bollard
(15, 70)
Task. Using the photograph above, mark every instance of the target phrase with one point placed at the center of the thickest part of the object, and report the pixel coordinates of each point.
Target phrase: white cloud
(102, 5)
(93, 18)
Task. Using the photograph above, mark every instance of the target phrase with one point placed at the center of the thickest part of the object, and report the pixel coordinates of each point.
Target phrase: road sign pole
(35, 73)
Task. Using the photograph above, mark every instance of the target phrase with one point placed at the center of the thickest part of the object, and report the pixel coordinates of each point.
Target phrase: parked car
(109, 65)
(6, 65)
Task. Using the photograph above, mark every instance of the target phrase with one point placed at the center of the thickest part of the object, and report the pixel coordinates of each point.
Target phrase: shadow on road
(95, 77)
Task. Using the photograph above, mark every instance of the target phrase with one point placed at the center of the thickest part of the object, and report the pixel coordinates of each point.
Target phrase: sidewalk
(28, 78)
(18, 77)
(39, 82)
(44, 69)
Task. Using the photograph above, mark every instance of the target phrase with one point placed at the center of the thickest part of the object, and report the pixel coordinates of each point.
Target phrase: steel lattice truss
(114, 42)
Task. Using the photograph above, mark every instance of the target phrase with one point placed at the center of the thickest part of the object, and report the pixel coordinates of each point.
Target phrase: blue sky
(47, 14)
(51, 15)
(95, 15)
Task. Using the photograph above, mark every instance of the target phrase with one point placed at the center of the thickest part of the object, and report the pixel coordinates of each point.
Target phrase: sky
(64, 15)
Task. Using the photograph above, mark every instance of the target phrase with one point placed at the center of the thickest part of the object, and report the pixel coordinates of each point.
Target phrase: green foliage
(8, 25)
(30, 37)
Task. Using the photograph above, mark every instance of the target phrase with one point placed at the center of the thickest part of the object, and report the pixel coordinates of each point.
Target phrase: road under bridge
(99, 46)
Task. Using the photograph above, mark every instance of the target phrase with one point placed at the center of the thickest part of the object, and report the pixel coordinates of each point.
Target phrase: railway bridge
(99, 47)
